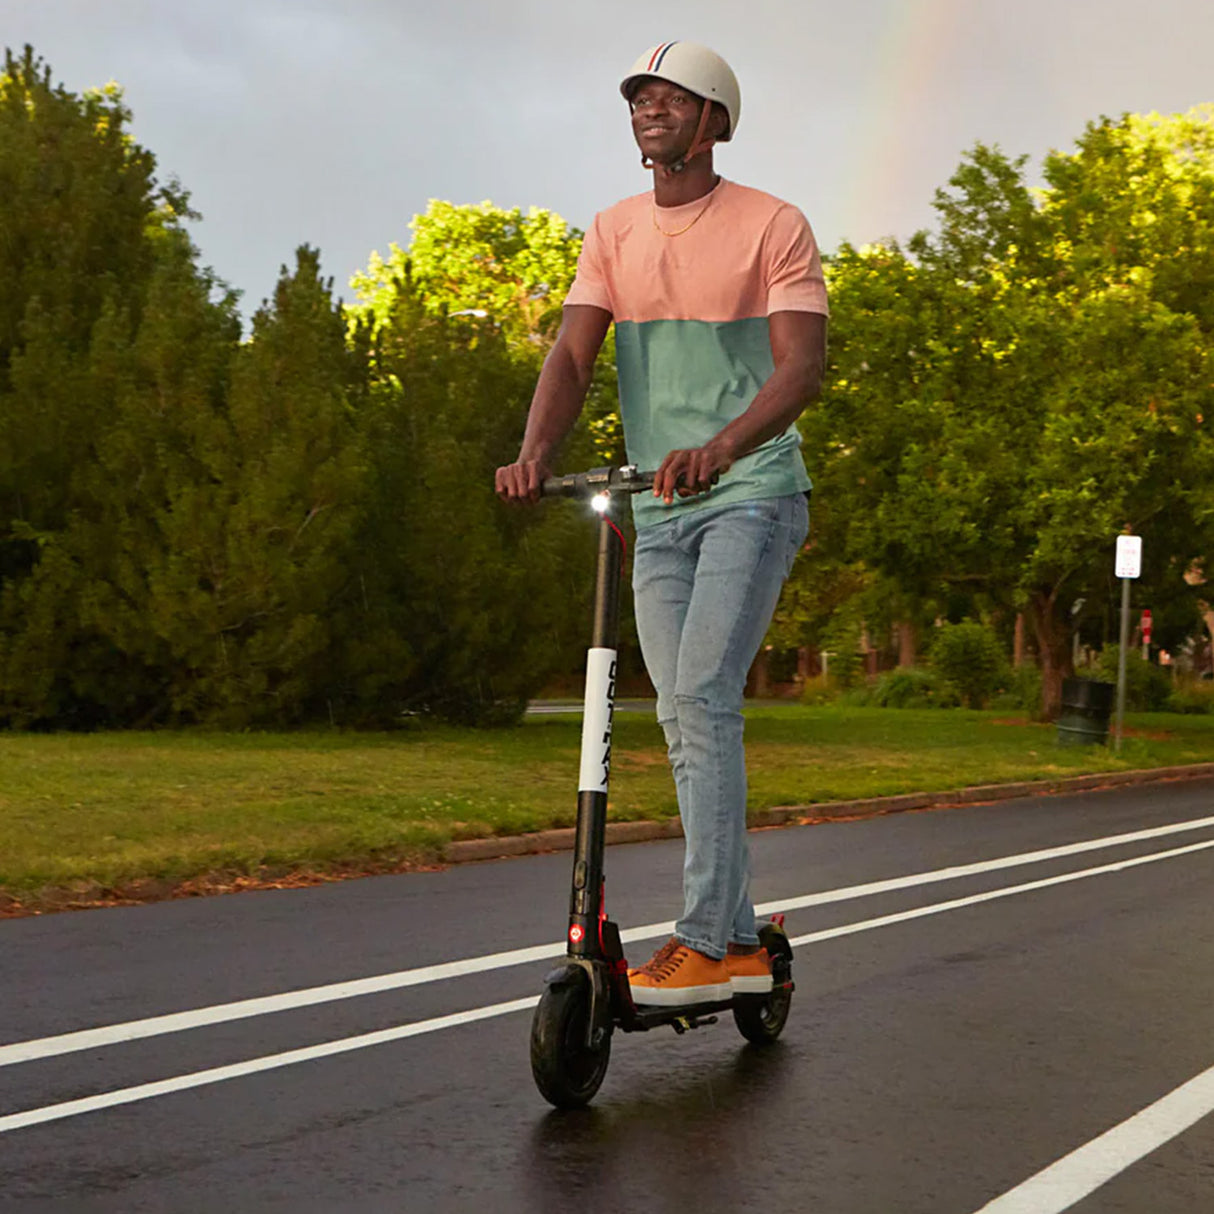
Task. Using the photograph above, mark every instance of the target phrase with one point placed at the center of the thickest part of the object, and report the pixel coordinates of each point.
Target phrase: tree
(1123, 446)
(908, 448)
(161, 381)
(77, 202)
(101, 327)
(1133, 203)
(256, 533)
(516, 268)
(477, 604)
(488, 263)
(1021, 386)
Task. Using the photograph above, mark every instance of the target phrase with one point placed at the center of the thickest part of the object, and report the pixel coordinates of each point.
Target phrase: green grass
(107, 809)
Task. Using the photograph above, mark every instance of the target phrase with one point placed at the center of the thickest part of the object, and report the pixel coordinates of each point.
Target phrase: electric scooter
(588, 997)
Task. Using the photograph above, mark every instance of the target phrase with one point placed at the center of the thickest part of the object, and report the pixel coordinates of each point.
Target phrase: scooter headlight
(600, 502)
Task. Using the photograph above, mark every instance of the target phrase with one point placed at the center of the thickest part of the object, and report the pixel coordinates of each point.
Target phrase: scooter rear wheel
(566, 1072)
(761, 1018)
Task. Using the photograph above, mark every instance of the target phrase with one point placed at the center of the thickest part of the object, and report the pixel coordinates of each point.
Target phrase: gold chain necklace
(653, 209)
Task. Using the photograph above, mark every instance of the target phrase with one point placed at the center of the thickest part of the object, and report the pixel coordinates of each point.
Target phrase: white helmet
(694, 68)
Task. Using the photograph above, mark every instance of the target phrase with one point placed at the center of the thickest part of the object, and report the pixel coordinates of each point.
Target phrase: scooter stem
(598, 712)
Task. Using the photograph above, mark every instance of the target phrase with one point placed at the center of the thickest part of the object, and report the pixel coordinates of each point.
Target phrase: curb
(562, 839)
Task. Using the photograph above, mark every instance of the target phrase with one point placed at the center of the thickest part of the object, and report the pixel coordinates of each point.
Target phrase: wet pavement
(948, 1038)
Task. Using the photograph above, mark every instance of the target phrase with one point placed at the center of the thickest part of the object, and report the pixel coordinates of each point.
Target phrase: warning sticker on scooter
(596, 720)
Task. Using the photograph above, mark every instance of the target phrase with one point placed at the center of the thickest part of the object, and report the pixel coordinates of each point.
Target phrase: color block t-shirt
(691, 303)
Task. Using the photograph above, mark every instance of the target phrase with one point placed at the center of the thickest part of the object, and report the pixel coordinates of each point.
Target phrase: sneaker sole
(756, 984)
(683, 996)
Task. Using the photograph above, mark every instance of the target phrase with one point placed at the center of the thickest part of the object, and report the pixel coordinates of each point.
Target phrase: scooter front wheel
(761, 1018)
(567, 1071)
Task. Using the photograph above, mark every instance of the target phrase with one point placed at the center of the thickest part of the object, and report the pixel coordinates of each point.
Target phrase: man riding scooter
(719, 305)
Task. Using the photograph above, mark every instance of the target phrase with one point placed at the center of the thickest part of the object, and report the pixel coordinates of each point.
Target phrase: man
(719, 305)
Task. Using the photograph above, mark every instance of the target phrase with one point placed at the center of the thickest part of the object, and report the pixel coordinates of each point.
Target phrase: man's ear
(718, 121)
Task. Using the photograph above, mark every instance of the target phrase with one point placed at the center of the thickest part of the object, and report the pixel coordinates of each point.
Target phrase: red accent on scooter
(623, 544)
(619, 968)
(778, 920)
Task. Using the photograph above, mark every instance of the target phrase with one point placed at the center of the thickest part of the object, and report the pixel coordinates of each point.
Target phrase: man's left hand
(691, 471)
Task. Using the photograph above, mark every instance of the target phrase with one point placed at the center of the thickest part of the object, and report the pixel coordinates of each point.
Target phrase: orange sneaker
(749, 973)
(678, 976)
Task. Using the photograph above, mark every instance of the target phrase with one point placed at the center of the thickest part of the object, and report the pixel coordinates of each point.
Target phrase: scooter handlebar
(598, 480)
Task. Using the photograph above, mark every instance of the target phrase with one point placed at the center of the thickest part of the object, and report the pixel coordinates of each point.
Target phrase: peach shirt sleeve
(795, 282)
(590, 283)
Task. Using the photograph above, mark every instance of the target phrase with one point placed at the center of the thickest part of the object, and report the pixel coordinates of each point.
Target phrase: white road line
(146, 1091)
(849, 929)
(1084, 1170)
(221, 1013)
(983, 866)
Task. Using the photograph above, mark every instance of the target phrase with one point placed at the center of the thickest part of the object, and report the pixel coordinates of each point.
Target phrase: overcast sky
(333, 122)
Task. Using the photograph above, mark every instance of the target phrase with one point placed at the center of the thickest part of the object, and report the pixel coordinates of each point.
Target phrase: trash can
(1086, 709)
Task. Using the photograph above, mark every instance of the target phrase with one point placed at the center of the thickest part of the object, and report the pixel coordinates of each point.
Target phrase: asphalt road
(952, 1036)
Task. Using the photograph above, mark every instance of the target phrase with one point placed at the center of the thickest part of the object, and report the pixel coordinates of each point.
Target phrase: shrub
(841, 640)
(821, 689)
(1024, 689)
(860, 696)
(913, 687)
(1147, 687)
(1192, 698)
(970, 656)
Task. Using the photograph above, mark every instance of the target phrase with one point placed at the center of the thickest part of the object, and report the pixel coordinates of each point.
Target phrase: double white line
(113, 1034)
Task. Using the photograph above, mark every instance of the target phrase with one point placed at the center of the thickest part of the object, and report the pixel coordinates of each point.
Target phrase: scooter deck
(645, 1017)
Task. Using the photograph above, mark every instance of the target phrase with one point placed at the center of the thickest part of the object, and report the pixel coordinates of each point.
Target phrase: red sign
(1146, 626)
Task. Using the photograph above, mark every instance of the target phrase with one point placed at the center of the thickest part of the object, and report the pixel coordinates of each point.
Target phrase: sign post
(1128, 566)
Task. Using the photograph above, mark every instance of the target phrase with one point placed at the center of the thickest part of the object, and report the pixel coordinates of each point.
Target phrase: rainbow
(915, 42)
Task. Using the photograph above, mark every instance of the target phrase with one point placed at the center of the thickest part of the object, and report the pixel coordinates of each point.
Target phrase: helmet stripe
(656, 61)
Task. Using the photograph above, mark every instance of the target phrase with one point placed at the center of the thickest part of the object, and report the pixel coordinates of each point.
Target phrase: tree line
(299, 525)
(1010, 392)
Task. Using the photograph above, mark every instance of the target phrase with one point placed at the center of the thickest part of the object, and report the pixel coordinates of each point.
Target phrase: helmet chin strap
(698, 144)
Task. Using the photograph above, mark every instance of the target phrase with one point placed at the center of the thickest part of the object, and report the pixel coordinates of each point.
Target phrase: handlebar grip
(597, 480)
(559, 486)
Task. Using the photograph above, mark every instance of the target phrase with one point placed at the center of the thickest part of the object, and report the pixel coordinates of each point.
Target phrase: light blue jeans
(706, 585)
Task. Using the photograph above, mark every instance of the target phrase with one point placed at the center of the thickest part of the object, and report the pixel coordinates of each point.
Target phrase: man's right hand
(521, 481)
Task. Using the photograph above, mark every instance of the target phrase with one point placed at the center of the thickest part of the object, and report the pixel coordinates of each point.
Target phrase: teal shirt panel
(681, 383)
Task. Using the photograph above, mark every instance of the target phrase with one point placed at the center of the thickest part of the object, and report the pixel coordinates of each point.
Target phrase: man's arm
(559, 396)
(798, 349)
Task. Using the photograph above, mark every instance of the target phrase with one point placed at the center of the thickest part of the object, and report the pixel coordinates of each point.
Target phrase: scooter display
(588, 997)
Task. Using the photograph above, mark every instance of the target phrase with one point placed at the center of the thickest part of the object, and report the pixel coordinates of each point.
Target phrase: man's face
(664, 119)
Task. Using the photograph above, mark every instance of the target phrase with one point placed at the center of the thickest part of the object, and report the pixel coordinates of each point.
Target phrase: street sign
(1129, 555)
